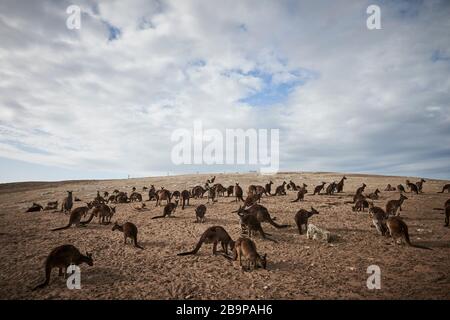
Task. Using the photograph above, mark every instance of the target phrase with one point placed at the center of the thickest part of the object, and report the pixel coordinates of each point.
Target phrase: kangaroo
(361, 189)
(135, 196)
(360, 205)
(35, 208)
(252, 199)
(129, 231)
(379, 218)
(152, 193)
(340, 185)
(302, 216)
(213, 235)
(393, 205)
(291, 185)
(220, 189)
(412, 187)
(446, 212)
(198, 192)
(260, 190)
(389, 188)
(268, 187)
(238, 193)
(176, 195)
(200, 213)
(162, 194)
(246, 248)
(144, 188)
(75, 217)
(168, 210)
(52, 205)
(211, 194)
(319, 188)
(280, 191)
(230, 191)
(103, 212)
(262, 214)
(99, 198)
(331, 188)
(185, 196)
(251, 225)
(374, 195)
(445, 188)
(122, 197)
(301, 193)
(67, 202)
(61, 257)
(401, 188)
(419, 185)
(398, 229)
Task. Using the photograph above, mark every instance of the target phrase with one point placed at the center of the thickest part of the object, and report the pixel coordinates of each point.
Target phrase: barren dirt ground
(298, 268)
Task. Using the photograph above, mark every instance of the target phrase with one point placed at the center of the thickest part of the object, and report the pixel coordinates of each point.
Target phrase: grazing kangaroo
(419, 185)
(319, 188)
(52, 205)
(360, 205)
(185, 196)
(379, 218)
(301, 193)
(75, 217)
(389, 188)
(268, 188)
(374, 195)
(35, 208)
(398, 230)
(198, 192)
(340, 185)
(230, 191)
(238, 193)
(61, 257)
(302, 216)
(168, 210)
(151, 193)
(135, 196)
(252, 199)
(246, 248)
(331, 188)
(67, 202)
(122, 197)
(200, 213)
(280, 190)
(219, 189)
(129, 231)
(412, 187)
(393, 205)
(103, 212)
(445, 188)
(176, 195)
(162, 194)
(262, 214)
(401, 188)
(251, 225)
(213, 235)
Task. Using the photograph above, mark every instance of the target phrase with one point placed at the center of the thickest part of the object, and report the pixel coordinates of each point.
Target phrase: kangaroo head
(116, 226)
(344, 178)
(377, 191)
(69, 193)
(314, 211)
(88, 259)
(270, 182)
(284, 183)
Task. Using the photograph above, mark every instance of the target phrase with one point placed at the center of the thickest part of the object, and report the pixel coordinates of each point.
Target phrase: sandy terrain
(298, 268)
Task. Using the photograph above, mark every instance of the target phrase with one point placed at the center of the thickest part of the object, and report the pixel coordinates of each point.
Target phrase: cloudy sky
(103, 101)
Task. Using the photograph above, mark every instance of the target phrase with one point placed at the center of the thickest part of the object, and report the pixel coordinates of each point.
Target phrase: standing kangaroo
(280, 190)
(301, 193)
(268, 187)
(401, 188)
(412, 187)
(379, 218)
(374, 195)
(238, 193)
(419, 185)
(75, 217)
(246, 248)
(251, 225)
(398, 230)
(360, 205)
(168, 210)
(61, 257)
(185, 196)
(213, 235)
(67, 203)
(129, 231)
(393, 205)
(319, 188)
(162, 194)
(230, 191)
(340, 185)
(302, 216)
(331, 188)
(200, 213)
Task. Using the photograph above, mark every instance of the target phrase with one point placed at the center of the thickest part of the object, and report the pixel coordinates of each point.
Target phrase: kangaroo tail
(406, 236)
(88, 220)
(157, 217)
(276, 225)
(48, 270)
(61, 228)
(197, 247)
